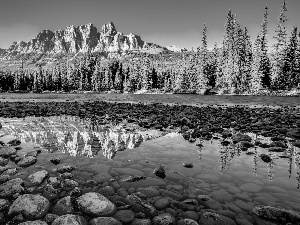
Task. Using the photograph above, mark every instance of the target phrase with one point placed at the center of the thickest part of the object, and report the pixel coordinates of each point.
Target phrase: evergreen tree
(279, 48)
(290, 60)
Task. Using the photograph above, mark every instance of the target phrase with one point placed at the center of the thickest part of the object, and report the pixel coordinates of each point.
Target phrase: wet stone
(65, 169)
(221, 196)
(95, 204)
(30, 206)
(27, 161)
(38, 177)
(210, 218)
(139, 205)
(63, 207)
(7, 151)
(140, 221)
(250, 187)
(3, 161)
(68, 184)
(281, 216)
(66, 175)
(36, 222)
(11, 187)
(124, 216)
(187, 221)
(164, 219)
(54, 181)
(105, 221)
(162, 203)
(150, 192)
(70, 219)
(4, 204)
(49, 218)
(102, 177)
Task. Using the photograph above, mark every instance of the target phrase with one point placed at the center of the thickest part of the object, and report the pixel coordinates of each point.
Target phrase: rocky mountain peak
(83, 38)
(109, 29)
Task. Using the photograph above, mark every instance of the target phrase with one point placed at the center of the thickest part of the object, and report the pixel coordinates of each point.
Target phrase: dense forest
(238, 67)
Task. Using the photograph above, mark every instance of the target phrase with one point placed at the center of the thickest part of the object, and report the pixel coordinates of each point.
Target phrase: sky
(164, 22)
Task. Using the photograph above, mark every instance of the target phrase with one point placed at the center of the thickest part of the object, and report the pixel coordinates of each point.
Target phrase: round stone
(38, 177)
(27, 161)
(125, 216)
(30, 206)
(138, 221)
(36, 222)
(7, 151)
(164, 219)
(187, 222)
(250, 187)
(4, 204)
(63, 207)
(70, 219)
(11, 187)
(105, 221)
(162, 203)
(95, 204)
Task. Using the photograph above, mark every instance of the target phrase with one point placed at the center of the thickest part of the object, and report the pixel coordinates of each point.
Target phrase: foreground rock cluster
(124, 195)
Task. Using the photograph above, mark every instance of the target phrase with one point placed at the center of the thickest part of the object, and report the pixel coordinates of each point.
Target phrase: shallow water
(229, 175)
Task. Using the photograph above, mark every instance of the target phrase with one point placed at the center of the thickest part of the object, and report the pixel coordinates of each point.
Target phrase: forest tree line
(239, 66)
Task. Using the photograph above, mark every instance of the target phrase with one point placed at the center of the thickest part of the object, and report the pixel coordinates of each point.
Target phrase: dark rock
(281, 216)
(27, 161)
(124, 216)
(14, 142)
(160, 171)
(265, 158)
(164, 219)
(139, 205)
(276, 149)
(55, 161)
(188, 165)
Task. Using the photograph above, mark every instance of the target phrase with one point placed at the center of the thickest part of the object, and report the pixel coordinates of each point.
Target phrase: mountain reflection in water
(76, 136)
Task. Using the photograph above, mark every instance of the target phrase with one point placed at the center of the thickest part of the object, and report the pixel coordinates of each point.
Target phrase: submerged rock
(95, 204)
(265, 158)
(138, 205)
(36, 222)
(11, 187)
(7, 151)
(105, 221)
(30, 206)
(70, 219)
(281, 216)
(27, 161)
(160, 171)
(38, 177)
(63, 207)
(164, 219)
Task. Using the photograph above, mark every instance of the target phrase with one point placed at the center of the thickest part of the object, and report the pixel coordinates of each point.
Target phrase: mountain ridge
(83, 38)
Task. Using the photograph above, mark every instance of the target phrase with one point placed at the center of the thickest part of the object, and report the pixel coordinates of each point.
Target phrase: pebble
(124, 216)
(164, 219)
(105, 221)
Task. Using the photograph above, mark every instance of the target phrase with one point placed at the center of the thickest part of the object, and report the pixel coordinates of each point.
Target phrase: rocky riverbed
(38, 186)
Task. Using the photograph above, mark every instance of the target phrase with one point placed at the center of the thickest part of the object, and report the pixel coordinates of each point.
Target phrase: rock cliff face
(83, 38)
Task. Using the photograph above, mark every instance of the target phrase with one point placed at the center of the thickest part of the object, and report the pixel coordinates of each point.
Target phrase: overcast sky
(164, 22)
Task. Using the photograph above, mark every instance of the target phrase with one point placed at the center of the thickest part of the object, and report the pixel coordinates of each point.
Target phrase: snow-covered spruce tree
(290, 60)
(202, 79)
(229, 67)
(245, 59)
(261, 67)
(279, 49)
